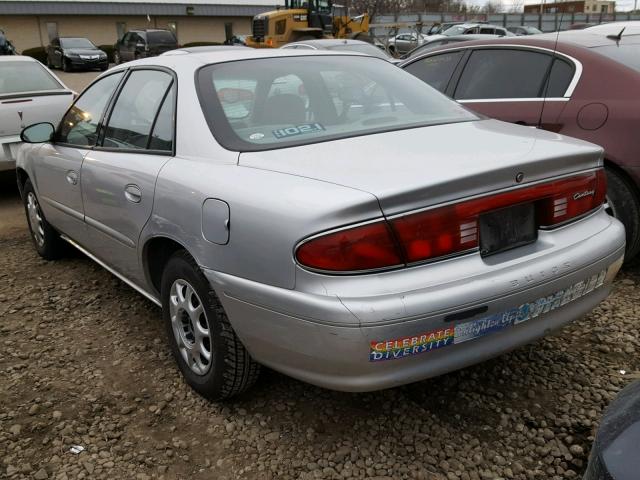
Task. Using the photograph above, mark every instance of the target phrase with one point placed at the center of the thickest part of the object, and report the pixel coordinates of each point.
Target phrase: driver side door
(57, 170)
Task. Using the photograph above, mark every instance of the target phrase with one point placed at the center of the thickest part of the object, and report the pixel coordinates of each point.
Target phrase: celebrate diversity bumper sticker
(455, 334)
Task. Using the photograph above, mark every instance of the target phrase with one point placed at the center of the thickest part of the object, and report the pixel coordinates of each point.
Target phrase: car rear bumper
(8, 151)
(361, 344)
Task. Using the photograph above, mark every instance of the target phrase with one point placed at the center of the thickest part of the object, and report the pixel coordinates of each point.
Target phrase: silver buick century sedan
(324, 214)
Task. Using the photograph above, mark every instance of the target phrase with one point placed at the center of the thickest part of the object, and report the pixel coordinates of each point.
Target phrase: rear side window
(437, 69)
(161, 38)
(17, 77)
(560, 78)
(80, 124)
(134, 113)
(162, 135)
(502, 73)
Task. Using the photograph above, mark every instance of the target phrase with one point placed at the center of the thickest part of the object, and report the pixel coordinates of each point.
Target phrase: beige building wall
(596, 6)
(32, 31)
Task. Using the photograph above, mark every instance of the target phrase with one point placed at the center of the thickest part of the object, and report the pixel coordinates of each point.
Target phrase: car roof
(200, 58)
(328, 42)
(203, 48)
(147, 30)
(19, 58)
(589, 39)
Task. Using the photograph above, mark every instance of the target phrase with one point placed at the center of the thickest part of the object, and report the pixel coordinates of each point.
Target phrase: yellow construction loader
(305, 20)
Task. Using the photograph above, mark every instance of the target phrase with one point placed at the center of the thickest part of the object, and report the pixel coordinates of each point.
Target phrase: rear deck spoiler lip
(44, 93)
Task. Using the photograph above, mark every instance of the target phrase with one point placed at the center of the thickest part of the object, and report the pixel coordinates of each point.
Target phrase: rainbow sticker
(411, 345)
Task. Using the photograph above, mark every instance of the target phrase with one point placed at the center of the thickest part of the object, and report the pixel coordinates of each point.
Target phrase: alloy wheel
(35, 219)
(190, 327)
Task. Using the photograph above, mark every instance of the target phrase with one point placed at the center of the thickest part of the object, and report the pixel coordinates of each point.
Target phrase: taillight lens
(447, 230)
(367, 247)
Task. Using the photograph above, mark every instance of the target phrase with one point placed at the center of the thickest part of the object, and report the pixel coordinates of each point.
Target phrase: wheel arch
(21, 176)
(625, 175)
(155, 254)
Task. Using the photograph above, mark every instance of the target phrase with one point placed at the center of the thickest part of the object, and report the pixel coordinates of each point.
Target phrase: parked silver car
(29, 93)
(324, 214)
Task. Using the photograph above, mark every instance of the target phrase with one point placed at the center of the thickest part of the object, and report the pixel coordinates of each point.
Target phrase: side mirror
(37, 133)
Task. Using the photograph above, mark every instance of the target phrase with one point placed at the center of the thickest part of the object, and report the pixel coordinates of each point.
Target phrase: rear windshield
(628, 55)
(263, 104)
(360, 48)
(16, 77)
(76, 43)
(163, 38)
(456, 30)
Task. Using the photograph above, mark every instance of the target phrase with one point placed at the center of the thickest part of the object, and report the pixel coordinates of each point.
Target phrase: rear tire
(66, 66)
(209, 354)
(45, 239)
(116, 58)
(624, 204)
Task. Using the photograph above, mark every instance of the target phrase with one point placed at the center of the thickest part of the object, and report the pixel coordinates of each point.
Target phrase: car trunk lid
(19, 110)
(417, 168)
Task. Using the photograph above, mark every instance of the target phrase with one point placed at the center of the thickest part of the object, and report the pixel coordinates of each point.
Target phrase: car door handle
(72, 177)
(133, 193)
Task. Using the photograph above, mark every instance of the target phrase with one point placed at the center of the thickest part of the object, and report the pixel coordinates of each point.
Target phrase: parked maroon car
(585, 85)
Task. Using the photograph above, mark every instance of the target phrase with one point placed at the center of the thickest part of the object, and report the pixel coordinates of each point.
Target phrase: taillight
(366, 247)
(572, 197)
(448, 230)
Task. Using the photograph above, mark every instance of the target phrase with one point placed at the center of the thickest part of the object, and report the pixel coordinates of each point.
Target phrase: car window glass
(162, 136)
(135, 109)
(560, 78)
(26, 76)
(76, 43)
(300, 100)
(80, 124)
(502, 73)
(437, 69)
(628, 55)
(161, 38)
(487, 30)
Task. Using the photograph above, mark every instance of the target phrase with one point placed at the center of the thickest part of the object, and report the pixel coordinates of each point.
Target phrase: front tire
(623, 203)
(209, 354)
(46, 240)
(66, 65)
(116, 58)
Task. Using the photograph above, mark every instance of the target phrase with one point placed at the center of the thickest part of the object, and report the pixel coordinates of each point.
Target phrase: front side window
(437, 69)
(18, 76)
(80, 124)
(133, 115)
(503, 73)
(263, 104)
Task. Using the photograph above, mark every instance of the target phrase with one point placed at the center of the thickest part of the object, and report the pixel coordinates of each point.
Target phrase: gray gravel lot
(84, 361)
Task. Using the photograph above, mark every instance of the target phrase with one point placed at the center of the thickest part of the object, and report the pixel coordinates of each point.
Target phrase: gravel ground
(84, 362)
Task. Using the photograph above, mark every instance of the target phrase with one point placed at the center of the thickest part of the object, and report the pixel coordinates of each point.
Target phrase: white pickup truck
(29, 93)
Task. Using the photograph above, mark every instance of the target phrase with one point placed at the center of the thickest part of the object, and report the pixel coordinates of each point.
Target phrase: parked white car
(405, 42)
(29, 93)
